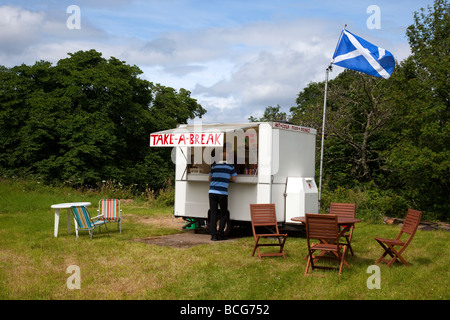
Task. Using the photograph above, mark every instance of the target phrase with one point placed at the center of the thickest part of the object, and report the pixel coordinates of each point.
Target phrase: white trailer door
(301, 197)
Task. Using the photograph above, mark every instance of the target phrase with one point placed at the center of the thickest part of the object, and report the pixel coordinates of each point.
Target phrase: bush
(372, 203)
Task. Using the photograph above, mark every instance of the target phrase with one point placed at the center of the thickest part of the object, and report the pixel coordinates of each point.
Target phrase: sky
(236, 57)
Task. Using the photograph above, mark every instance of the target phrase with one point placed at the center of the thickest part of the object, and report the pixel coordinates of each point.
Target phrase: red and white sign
(201, 139)
(293, 127)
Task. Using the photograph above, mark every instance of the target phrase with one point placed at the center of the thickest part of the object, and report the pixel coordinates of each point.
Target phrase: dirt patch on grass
(159, 222)
(184, 239)
(179, 240)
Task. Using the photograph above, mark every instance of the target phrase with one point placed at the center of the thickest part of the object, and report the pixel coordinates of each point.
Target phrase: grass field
(33, 263)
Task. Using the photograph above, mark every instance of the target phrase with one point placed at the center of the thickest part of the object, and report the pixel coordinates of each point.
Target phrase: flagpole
(324, 117)
(323, 132)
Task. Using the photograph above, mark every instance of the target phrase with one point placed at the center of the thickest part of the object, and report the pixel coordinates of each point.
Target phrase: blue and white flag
(353, 52)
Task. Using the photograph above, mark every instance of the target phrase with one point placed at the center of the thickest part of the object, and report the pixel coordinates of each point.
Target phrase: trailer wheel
(228, 227)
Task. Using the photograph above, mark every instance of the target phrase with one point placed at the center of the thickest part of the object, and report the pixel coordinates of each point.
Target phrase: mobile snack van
(275, 162)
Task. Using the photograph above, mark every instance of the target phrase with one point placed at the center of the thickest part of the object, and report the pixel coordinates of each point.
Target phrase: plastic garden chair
(83, 220)
(110, 211)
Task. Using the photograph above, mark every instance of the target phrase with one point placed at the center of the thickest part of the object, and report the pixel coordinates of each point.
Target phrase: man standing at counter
(220, 176)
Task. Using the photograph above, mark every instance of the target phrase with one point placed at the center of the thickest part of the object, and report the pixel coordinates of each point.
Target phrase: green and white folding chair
(83, 220)
(110, 211)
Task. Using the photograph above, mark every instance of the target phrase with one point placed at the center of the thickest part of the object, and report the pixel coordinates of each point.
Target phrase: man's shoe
(214, 238)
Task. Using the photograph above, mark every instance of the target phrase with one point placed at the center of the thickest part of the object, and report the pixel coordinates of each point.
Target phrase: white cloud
(277, 62)
(19, 28)
(235, 69)
(28, 36)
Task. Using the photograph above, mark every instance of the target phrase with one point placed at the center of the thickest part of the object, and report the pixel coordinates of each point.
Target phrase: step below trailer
(275, 162)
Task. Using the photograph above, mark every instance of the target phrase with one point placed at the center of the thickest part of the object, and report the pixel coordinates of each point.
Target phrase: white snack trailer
(275, 162)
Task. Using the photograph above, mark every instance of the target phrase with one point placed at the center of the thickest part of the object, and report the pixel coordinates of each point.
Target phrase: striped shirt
(220, 178)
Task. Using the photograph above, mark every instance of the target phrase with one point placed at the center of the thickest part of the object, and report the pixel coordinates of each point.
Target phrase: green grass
(33, 263)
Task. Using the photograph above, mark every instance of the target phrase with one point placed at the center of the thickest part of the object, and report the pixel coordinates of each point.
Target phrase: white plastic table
(67, 206)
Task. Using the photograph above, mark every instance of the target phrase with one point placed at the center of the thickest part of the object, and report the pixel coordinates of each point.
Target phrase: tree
(308, 111)
(393, 134)
(357, 112)
(270, 114)
(170, 107)
(420, 160)
(360, 109)
(87, 119)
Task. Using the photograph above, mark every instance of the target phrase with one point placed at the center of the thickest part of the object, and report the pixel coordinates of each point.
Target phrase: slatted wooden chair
(264, 215)
(346, 210)
(85, 222)
(325, 228)
(409, 227)
(110, 211)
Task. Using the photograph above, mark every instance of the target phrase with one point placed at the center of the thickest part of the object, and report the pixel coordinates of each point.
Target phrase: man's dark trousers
(216, 201)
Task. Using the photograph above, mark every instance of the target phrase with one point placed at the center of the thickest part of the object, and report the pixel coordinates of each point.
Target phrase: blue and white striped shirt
(220, 178)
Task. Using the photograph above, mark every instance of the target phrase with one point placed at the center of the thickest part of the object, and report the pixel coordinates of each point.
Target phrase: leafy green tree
(392, 135)
(87, 119)
(270, 114)
(420, 160)
(308, 111)
(357, 112)
(170, 107)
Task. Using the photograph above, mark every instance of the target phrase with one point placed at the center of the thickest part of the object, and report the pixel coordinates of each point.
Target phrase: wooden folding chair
(325, 228)
(410, 226)
(264, 215)
(345, 210)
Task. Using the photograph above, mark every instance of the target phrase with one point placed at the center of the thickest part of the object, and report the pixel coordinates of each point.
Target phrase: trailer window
(241, 147)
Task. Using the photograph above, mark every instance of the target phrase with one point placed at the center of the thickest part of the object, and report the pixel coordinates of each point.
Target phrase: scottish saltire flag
(353, 52)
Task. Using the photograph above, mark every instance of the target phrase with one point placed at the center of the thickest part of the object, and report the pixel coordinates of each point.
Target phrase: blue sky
(236, 57)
